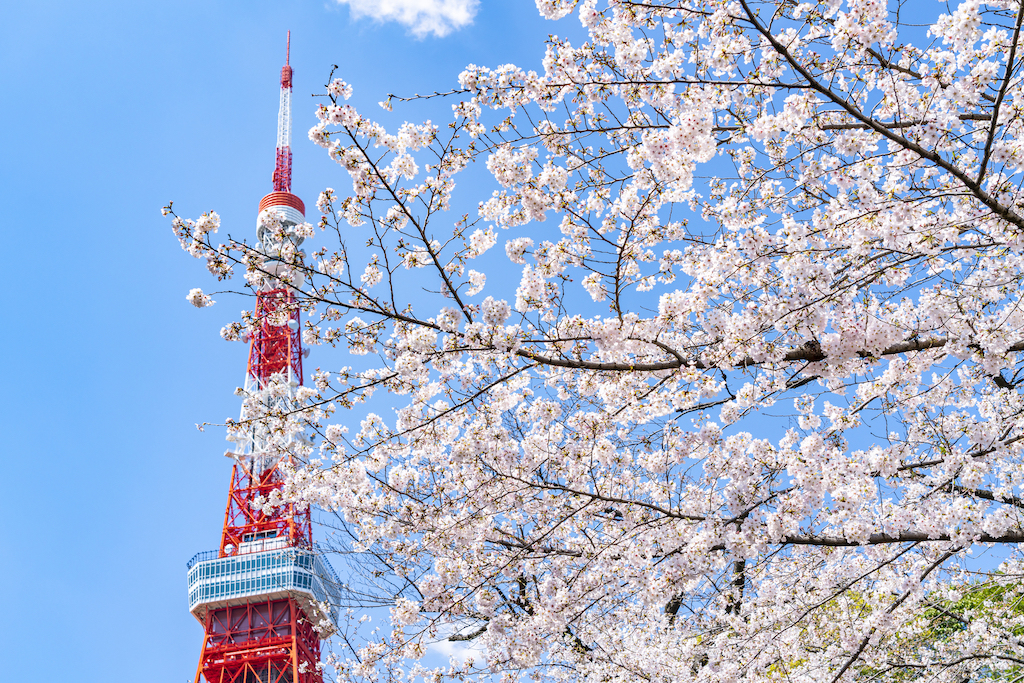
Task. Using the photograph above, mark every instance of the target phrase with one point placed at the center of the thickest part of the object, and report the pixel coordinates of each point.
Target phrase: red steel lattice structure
(263, 641)
(276, 348)
(268, 636)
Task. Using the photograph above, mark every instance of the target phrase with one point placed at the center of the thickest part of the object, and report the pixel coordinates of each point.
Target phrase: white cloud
(439, 17)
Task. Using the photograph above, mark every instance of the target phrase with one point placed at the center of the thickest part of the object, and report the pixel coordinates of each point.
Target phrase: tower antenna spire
(283, 166)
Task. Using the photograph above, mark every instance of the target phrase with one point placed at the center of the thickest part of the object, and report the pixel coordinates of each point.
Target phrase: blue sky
(110, 109)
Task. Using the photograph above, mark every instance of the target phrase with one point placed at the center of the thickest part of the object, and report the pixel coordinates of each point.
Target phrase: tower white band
(284, 119)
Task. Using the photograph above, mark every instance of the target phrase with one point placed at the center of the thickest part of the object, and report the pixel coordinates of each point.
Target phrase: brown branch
(902, 537)
(988, 495)
(458, 637)
(809, 352)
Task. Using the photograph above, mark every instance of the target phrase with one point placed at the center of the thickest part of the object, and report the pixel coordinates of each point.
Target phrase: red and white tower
(260, 594)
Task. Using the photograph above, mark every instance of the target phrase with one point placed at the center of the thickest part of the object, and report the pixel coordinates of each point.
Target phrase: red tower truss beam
(245, 522)
(277, 344)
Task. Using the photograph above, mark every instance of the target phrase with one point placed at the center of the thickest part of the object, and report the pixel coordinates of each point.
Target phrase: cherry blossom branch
(1003, 212)
(1010, 65)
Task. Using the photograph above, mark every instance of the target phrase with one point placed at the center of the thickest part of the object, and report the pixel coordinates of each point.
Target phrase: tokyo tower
(260, 597)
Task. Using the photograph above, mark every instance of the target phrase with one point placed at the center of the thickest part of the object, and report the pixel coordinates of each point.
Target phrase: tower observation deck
(266, 596)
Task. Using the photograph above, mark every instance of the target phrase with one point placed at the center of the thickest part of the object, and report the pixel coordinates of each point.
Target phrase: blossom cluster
(720, 378)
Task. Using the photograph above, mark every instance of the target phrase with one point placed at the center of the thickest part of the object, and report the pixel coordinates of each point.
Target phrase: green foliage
(985, 599)
(943, 633)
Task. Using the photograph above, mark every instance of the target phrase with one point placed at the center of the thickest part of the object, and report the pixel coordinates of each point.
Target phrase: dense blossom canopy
(722, 382)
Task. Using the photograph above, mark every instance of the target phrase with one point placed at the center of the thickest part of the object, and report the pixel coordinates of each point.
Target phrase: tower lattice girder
(245, 522)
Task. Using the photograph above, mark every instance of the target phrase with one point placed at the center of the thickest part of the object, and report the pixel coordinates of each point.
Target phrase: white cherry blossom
(743, 400)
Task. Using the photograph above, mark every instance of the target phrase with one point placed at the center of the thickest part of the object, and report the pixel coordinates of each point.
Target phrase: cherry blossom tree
(721, 382)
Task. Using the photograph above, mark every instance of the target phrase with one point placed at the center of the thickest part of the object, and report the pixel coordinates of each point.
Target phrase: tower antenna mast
(283, 167)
